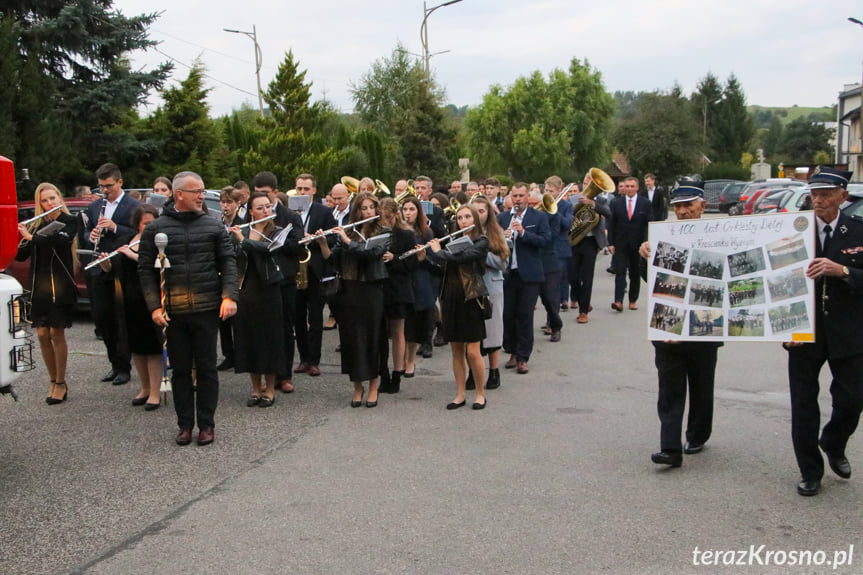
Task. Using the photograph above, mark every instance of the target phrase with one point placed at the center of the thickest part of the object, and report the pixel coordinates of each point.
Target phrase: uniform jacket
(561, 234)
(659, 205)
(471, 266)
(52, 270)
(320, 217)
(256, 252)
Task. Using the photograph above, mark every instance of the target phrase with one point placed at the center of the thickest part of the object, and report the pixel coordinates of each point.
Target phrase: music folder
(51, 229)
(375, 241)
(299, 203)
(280, 238)
(459, 245)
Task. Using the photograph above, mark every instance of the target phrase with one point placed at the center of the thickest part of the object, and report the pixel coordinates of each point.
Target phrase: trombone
(421, 248)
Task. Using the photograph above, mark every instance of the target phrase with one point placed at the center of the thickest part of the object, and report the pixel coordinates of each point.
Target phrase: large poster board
(732, 279)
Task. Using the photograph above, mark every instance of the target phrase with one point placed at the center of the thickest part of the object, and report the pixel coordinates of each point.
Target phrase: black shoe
(266, 401)
(693, 448)
(555, 336)
(122, 378)
(480, 405)
(426, 350)
(371, 403)
(493, 379)
(385, 383)
(136, 401)
(151, 406)
(408, 375)
(840, 465)
(671, 458)
(253, 400)
(470, 383)
(809, 487)
(53, 400)
(396, 381)
(110, 376)
(225, 365)
(439, 339)
(454, 405)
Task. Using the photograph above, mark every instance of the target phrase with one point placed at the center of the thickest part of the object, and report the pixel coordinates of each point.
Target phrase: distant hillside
(763, 114)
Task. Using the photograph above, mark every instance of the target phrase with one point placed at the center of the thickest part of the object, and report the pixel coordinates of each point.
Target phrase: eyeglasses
(198, 192)
(107, 186)
(301, 188)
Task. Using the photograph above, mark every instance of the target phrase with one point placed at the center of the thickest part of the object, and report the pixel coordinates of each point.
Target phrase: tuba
(381, 189)
(584, 217)
(410, 191)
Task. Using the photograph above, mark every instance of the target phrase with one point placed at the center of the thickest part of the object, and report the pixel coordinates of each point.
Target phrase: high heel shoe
(54, 400)
(137, 401)
(48, 399)
(357, 403)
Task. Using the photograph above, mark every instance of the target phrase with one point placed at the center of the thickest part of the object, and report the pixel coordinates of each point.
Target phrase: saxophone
(584, 217)
(303, 273)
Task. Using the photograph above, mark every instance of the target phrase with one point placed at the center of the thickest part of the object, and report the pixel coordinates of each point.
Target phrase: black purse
(484, 306)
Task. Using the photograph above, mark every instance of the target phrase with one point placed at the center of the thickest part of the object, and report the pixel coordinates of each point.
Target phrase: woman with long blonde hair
(52, 282)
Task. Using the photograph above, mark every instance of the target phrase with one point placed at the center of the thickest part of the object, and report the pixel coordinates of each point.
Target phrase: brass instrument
(381, 188)
(563, 193)
(352, 184)
(421, 248)
(452, 208)
(584, 217)
(474, 196)
(411, 191)
(303, 273)
(547, 205)
(107, 257)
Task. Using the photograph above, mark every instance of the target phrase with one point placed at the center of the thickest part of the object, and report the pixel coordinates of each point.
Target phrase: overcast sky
(783, 52)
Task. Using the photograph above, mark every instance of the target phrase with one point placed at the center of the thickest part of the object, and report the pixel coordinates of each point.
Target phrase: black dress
(360, 305)
(145, 337)
(52, 281)
(258, 331)
(398, 288)
(461, 317)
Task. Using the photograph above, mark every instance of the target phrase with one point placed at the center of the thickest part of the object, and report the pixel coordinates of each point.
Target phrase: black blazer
(659, 205)
(624, 233)
(528, 245)
(121, 217)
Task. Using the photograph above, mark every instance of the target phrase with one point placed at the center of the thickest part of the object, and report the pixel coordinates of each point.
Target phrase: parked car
(854, 204)
(21, 270)
(758, 189)
(712, 193)
(770, 202)
(730, 195)
(797, 200)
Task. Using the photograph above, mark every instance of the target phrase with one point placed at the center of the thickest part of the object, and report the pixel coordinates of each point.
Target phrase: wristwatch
(845, 271)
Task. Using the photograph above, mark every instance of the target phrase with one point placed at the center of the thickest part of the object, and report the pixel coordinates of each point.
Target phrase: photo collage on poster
(731, 279)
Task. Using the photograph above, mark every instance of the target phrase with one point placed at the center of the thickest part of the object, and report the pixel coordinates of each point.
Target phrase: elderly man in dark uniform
(683, 364)
(838, 273)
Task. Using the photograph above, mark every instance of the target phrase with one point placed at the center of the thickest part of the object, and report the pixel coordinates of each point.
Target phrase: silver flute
(310, 239)
(409, 253)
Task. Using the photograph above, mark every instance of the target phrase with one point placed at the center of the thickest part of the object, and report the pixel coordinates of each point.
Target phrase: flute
(42, 215)
(409, 253)
(272, 217)
(108, 256)
(310, 239)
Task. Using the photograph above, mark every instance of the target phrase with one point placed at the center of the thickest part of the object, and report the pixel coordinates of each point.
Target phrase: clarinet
(101, 215)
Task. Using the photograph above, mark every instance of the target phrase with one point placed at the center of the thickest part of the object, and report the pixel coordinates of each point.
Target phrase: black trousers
(226, 338)
(309, 321)
(626, 260)
(289, 302)
(192, 344)
(846, 389)
(680, 366)
(581, 268)
(107, 312)
(549, 295)
(519, 298)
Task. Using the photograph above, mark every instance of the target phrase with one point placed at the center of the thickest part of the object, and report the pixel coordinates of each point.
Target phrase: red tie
(629, 207)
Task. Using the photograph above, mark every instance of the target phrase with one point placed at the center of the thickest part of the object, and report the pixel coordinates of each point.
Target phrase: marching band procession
(400, 272)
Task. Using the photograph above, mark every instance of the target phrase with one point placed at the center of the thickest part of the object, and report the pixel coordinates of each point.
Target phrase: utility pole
(424, 32)
(258, 59)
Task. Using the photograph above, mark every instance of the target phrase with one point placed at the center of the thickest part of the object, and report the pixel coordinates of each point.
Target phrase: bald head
(340, 196)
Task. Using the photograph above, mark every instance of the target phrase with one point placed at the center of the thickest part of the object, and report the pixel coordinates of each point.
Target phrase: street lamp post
(424, 31)
(859, 168)
(258, 58)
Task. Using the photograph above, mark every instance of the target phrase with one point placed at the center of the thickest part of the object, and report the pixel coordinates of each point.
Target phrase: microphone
(161, 241)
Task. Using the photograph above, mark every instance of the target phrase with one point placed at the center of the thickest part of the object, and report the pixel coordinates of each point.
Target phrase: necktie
(629, 207)
(827, 236)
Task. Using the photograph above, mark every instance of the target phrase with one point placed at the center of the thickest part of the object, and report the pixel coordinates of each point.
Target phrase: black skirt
(145, 337)
(362, 331)
(462, 320)
(259, 340)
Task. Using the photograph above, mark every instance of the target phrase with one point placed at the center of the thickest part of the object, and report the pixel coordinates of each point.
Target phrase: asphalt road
(553, 477)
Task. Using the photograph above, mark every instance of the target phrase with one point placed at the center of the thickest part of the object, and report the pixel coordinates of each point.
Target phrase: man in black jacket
(838, 273)
(627, 229)
(201, 289)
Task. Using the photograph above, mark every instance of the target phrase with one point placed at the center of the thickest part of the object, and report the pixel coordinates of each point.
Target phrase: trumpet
(108, 256)
(42, 215)
(309, 239)
(421, 248)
